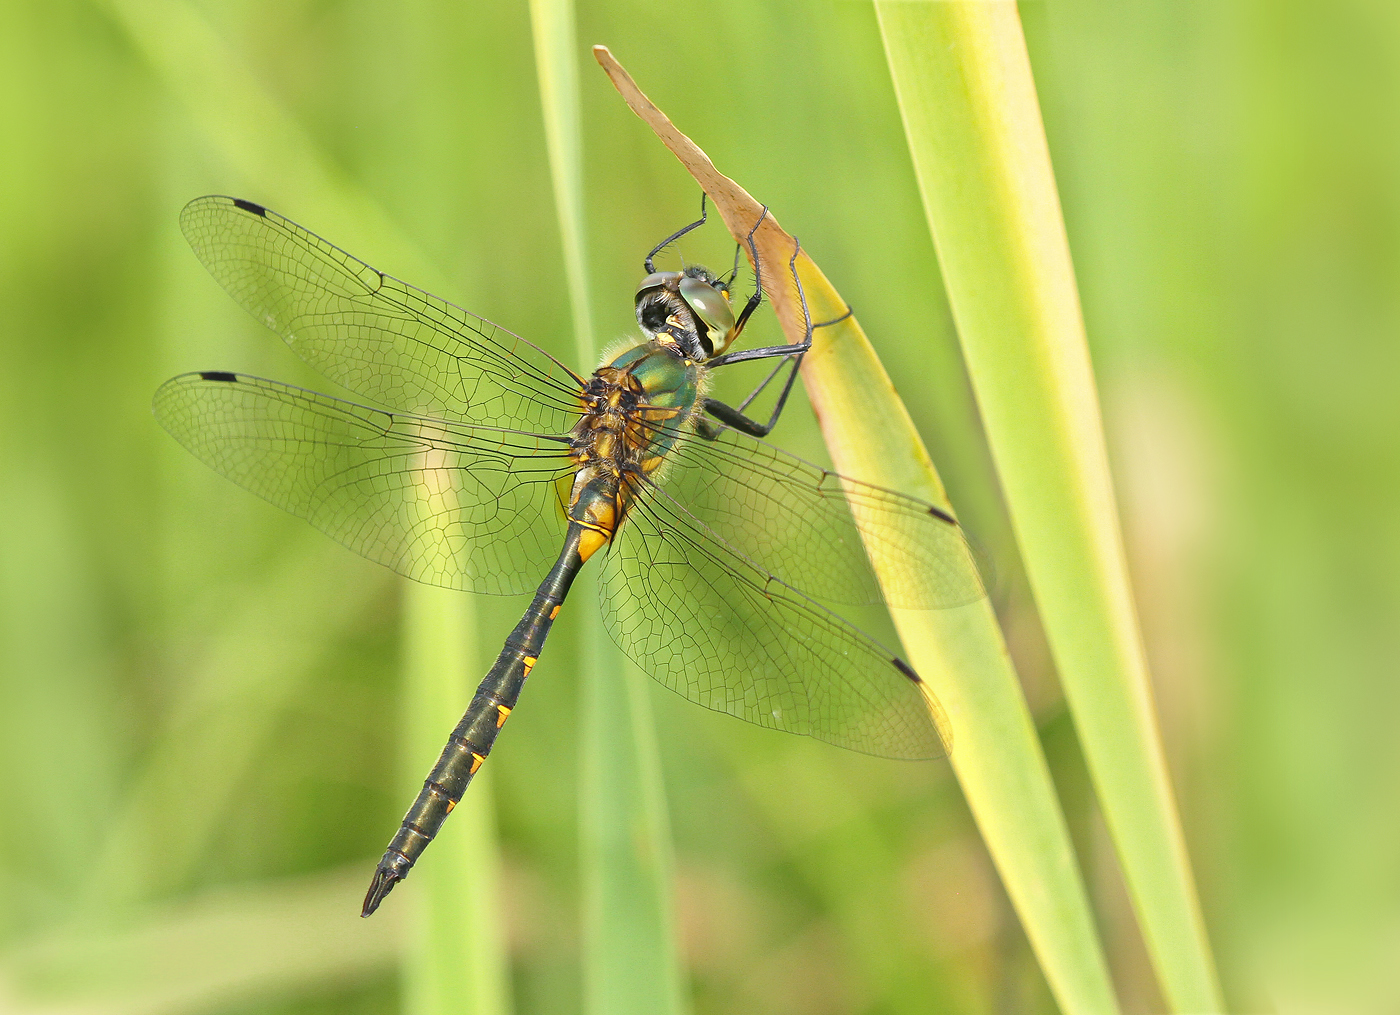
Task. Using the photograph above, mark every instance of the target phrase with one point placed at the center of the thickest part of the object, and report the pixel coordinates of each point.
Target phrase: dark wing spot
(904, 668)
(218, 375)
(939, 513)
(256, 209)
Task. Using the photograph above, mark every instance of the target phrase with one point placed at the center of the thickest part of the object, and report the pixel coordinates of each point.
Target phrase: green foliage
(200, 703)
(966, 94)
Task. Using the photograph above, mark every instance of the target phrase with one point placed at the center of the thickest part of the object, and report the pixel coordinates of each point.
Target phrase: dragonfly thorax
(633, 409)
(687, 309)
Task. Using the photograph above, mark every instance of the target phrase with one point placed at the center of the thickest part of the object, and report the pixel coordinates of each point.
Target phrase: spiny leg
(757, 296)
(651, 268)
(790, 354)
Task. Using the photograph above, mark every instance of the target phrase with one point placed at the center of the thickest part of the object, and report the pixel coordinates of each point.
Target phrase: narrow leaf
(963, 80)
(456, 962)
(630, 955)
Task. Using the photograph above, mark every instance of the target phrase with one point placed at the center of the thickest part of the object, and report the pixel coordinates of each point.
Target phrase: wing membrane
(798, 521)
(723, 632)
(467, 507)
(454, 482)
(379, 337)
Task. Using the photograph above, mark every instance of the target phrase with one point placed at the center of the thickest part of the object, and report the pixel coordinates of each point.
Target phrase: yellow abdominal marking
(502, 714)
(451, 804)
(592, 540)
(555, 612)
(477, 759)
(529, 665)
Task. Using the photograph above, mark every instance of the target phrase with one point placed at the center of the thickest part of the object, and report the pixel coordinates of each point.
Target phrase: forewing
(381, 338)
(466, 507)
(716, 628)
(796, 520)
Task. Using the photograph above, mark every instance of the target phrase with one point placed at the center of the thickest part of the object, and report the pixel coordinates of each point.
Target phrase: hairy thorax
(634, 408)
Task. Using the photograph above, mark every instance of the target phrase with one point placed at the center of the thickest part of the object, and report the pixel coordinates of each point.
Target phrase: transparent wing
(796, 520)
(467, 507)
(725, 633)
(377, 336)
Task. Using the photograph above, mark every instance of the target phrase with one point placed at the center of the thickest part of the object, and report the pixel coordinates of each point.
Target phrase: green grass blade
(256, 943)
(959, 652)
(630, 953)
(552, 23)
(963, 660)
(630, 957)
(456, 961)
(963, 80)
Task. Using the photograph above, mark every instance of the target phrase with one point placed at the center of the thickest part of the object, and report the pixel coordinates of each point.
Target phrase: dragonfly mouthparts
(383, 883)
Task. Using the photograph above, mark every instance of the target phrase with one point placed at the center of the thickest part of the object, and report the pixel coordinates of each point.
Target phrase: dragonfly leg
(757, 296)
(734, 416)
(787, 354)
(651, 269)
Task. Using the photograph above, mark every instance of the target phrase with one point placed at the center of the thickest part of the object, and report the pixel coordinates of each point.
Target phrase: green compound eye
(712, 310)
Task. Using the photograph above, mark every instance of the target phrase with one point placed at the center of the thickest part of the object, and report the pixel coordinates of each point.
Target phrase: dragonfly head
(689, 309)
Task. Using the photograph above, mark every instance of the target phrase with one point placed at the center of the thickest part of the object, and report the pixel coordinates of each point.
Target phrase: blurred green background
(200, 724)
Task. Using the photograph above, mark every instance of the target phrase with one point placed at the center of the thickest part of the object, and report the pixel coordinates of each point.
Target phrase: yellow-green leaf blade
(963, 81)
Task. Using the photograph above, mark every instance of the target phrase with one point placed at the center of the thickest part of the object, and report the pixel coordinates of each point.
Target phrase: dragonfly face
(722, 551)
(689, 308)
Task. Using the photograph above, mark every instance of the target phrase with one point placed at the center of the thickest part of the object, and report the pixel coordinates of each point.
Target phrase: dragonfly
(478, 461)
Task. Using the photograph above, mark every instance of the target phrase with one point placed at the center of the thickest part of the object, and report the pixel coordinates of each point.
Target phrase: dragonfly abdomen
(472, 740)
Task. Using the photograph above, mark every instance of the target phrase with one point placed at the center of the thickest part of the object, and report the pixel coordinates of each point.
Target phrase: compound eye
(711, 309)
(656, 280)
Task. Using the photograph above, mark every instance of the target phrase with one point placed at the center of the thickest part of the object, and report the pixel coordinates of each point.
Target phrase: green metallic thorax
(635, 407)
